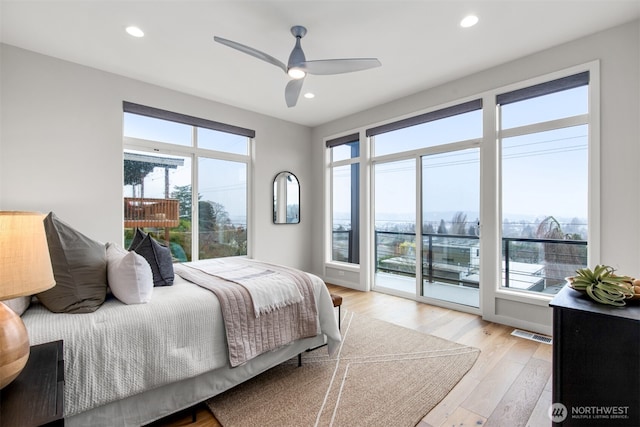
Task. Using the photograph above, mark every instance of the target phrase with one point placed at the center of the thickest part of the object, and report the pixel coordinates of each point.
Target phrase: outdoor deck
(144, 212)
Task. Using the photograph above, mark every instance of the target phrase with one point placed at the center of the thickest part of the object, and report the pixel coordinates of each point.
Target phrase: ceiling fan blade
(251, 51)
(292, 92)
(338, 66)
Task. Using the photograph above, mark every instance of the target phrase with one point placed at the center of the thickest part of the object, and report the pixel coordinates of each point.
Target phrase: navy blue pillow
(158, 257)
(137, 238)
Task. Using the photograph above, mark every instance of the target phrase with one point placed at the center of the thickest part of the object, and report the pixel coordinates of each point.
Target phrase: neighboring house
(61, 150)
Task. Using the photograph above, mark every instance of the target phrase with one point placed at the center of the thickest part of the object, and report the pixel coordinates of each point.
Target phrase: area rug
(382, 375)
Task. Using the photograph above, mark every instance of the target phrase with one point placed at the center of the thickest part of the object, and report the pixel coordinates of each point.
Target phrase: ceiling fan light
(296, 73)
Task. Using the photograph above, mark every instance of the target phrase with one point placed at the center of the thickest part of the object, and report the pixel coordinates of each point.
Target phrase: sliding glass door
(395, 226)
(426, 181)
(450, 226)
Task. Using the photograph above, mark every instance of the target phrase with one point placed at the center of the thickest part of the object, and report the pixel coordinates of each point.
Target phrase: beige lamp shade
(25, 269)
(25, 265)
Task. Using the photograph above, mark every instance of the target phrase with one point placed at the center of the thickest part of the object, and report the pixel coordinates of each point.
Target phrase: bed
(130, 365)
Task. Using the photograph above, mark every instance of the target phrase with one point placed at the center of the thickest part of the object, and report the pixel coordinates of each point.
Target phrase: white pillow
(129, 275)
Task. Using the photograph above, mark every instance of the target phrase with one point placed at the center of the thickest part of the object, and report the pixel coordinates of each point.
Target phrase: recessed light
(135, 31)
(309, 95)
(469, 21)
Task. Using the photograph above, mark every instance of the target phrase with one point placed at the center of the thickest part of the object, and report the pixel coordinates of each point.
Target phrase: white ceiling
(419, 43)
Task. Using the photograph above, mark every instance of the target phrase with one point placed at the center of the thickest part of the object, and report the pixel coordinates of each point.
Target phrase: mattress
(123, 351)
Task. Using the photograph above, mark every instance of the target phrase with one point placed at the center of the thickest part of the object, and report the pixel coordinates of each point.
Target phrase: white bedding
(122, 350)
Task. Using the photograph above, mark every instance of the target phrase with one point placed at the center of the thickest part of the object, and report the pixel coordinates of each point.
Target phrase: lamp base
(14, 345)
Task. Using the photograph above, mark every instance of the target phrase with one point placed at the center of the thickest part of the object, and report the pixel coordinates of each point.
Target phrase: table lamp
(25, 269)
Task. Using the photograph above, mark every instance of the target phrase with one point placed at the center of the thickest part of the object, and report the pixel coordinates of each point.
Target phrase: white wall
(618, 50)
(61, 149)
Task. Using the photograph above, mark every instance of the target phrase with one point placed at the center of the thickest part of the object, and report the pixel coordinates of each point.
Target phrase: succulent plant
(603, 285)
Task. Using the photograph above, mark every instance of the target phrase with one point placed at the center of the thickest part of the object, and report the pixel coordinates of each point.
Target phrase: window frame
(356, 188)
(439, 112)
(195, 153)
(490, 203)
(592, 120)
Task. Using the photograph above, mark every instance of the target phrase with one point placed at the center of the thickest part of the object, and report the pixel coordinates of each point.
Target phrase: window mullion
(345, 162)
(582, 119)
(437, 149)
(157, 146)
(195, 211)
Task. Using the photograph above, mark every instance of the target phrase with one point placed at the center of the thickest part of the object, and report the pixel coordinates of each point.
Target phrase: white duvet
(122, 350)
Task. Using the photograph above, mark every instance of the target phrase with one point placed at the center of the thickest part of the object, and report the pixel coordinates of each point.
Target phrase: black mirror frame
(275, 214)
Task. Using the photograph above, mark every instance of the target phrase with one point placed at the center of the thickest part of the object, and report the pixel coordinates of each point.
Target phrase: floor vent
(531, 336)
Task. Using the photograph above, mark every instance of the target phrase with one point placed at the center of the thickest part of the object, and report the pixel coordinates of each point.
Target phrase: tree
(575, 229)
(212, 216)
(442, 228)
(428, 228)
(183, 194)
(134, 173)
(474, 229)
(549, 228)
(206, 216)
(217, 236)
(459, 223)
(507, 228)
(561, 260)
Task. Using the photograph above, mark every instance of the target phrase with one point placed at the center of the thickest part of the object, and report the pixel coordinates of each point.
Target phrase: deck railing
(145, 212)
(527, 263)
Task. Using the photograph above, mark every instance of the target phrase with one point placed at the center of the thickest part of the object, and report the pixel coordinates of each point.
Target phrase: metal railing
(341, 246)
(556, 258)
(527, 263)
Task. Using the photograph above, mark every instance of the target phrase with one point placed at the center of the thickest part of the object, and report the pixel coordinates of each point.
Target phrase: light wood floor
(509, 385)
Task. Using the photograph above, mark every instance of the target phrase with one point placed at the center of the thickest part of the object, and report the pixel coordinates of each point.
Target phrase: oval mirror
(286, 199)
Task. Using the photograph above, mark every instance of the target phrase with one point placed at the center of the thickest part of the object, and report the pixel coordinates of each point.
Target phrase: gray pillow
(159, 258)
(79, 268)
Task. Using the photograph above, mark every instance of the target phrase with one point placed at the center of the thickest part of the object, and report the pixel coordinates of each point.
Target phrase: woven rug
(383, 375)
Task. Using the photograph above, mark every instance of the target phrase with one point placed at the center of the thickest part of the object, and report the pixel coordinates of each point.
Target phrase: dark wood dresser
(596, 362)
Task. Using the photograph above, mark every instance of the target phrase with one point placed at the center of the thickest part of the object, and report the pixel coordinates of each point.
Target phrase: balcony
(540, 265)
(157, 213)
(529, 264)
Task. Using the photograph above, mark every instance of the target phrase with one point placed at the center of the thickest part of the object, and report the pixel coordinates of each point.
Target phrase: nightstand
(36, 396)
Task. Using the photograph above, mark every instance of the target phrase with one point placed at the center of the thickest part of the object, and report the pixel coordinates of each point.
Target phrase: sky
(543, 174)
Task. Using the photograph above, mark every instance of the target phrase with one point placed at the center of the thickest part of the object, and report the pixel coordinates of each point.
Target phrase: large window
(174, 163)
(345, 179)
(495, 198)
(544, 140)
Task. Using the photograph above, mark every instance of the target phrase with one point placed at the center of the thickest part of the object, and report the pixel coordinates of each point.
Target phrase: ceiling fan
(298, 67)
